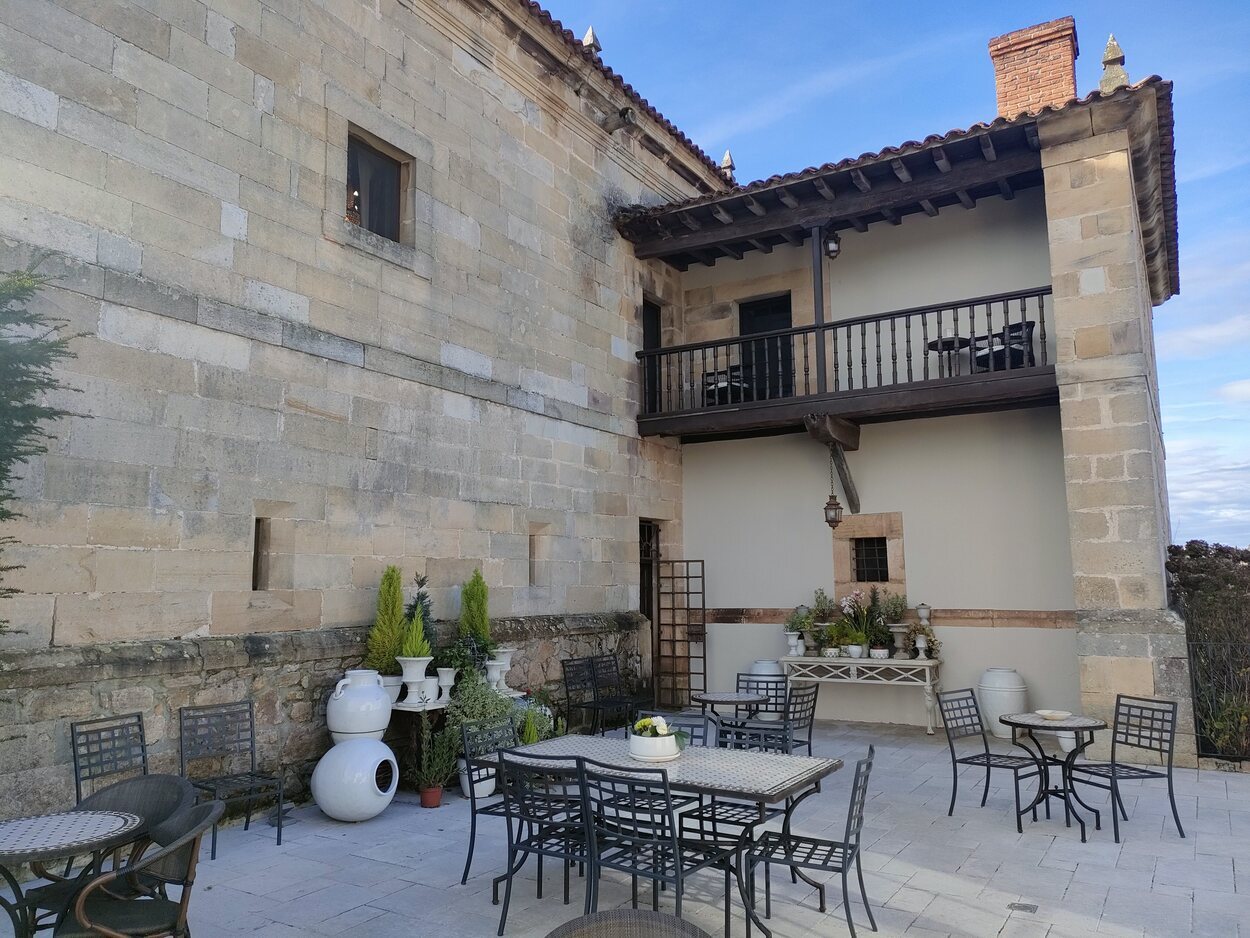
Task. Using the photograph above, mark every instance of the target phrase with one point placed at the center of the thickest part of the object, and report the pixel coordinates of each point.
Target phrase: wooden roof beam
(860, 180)
(754, 206)
(929, 208)
(858, 224)
(706, 257)
(1005, 190)
(1031, 138)
(966, 200)
(733, 252)
(940, 160)
(987, 149)
(901, 171)
(822, 187)
(787, 198)
(794, 237)
(722, 216)
(762, 246)
(891, 216)
(689, 221)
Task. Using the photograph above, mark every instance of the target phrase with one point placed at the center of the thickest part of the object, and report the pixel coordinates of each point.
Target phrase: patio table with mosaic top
(760, 777)
(727, 698)
(1023, 727)
(53, 837)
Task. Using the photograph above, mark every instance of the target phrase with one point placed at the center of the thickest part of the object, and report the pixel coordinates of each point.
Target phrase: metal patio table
(1023, 726)
(727, 698)
(53, 837)
(760, 777)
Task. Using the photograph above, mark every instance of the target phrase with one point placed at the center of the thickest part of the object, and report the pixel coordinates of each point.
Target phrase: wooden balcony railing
(992, 336)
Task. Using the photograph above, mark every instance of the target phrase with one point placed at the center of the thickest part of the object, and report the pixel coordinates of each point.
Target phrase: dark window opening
(373, 189)
(869, 557)
(651, 366)
(767, 364)
(260, 556)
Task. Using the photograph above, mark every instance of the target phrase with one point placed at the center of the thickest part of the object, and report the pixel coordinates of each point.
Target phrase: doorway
(767, 364)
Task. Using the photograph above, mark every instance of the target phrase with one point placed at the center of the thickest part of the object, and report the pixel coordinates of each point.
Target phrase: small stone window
(870, 556)
(376, 181)
(261, 548)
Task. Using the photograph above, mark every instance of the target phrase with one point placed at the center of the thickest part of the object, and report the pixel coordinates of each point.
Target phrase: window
(260, 556)
(767, 364)
(869, 555)
(374, 188)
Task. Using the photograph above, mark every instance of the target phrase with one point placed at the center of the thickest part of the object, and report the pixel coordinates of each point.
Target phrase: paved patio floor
(927, 874)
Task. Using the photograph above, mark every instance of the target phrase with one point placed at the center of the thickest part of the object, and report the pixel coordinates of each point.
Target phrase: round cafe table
(728, 698)
(1023, 727)
(52, 837)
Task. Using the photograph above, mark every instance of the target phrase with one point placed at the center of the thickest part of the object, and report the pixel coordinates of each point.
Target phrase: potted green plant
(435, 762)
(824, 611)
(387, 633)
(799, 622)
(921, 639)
(894, 611)
(878, 635)
(855, 642)
(473, 700)
(414, 657)
(829, 639)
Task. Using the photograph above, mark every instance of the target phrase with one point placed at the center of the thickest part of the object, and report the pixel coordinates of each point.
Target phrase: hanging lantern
(832, 244)
(833, 508)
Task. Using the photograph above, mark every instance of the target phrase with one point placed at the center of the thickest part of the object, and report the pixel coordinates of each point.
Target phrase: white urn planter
(355, 780)
(484, 787)
(494, 668)
(792, 640)
(359, 707)
(833, 651)
(653, 748)
(1000, 691)
(414, 675)
(899, 631)
(446, 681)
(429, 690)
(394, 685)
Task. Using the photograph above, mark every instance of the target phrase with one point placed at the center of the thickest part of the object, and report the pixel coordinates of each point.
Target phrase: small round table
(51, 837)
(727, 698)
(1023, 726)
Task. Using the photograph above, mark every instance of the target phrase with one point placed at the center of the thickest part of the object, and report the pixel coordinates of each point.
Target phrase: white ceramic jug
(360, 707)
(1000, 691)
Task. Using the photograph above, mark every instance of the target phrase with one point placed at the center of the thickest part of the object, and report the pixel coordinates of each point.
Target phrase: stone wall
(287, 675)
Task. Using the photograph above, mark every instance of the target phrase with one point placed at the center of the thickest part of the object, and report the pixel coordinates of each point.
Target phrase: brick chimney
(1036, 66)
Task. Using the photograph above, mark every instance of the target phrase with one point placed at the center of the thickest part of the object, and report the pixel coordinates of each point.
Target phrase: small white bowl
(1054, 714)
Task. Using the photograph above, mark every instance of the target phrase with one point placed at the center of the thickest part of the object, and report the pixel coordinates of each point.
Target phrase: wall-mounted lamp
(833, 244)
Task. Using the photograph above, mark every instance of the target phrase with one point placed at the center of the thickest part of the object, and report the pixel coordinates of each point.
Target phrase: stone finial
(727, 163)
(1113, 74)
(591, 41)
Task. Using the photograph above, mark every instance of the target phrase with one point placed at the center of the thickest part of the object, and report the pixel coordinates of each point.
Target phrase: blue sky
(787, 85)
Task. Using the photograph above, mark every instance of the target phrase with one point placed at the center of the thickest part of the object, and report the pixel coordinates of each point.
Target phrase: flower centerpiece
(859, 617)
(651, 739)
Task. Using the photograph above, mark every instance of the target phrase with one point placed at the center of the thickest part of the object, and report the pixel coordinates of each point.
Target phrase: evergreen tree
(30, 346)
(387, 633)
(474, 618)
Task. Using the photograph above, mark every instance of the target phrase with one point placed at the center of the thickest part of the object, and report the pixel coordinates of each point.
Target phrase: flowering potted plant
(859, 618)
(652, 740)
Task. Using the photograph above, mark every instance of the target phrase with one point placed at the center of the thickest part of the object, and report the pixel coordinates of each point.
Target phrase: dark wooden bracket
(839, 435)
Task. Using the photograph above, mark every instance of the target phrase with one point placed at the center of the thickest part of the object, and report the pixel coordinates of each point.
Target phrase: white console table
(896, 672)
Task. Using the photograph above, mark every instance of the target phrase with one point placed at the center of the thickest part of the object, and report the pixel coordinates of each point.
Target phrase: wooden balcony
(983, 353)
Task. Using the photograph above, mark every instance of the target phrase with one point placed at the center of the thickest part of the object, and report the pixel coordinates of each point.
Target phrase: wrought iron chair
(774, 687)
(155, 798)
(1140, 723)
(225, 732)
(480, 740)
(124, 902)
(813, 853)
(632, 828)
(583, 691)
(613, 692)
(1009, 347)
(107, 746)
(628, 923)
(543, 811)
(961, 715)
(796, 720)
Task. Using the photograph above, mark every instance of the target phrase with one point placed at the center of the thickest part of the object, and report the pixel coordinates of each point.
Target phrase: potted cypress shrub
(414, 657)
(435, 762)
(387, 634)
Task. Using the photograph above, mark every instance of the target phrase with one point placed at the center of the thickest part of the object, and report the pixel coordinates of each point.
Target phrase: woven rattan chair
(1141, 723)
(106, 747)
(961, 715)
(628, 923)
(155, 798)
(481, 739)
(123, 903)
(813, 853)
(226, 733)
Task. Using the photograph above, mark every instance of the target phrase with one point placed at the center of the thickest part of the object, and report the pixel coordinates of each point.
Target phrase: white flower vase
(855, 651)
(899, 631)
(359, 707)
(802, 646)
(446, 681)
(792, 639)
(922, 647)
(429, 691)
(414, 675)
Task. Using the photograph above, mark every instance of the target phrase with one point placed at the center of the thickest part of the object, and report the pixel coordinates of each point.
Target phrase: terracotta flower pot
(432, 797)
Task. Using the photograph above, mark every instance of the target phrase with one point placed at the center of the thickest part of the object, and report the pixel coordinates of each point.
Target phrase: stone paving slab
(927, 874)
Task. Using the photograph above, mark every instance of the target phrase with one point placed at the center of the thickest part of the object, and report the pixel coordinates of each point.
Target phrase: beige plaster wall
(982, 497)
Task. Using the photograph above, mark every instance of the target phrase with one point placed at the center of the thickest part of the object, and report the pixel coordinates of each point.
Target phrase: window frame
(404, 208)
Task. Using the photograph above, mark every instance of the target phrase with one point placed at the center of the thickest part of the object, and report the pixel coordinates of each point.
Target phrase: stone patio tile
(1214, 874)
(949, 915)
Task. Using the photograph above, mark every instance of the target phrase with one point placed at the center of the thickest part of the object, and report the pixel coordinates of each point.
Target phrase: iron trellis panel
(681, 629)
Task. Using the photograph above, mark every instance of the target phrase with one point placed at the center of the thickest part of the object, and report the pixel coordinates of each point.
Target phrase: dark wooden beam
(858, 224)
(844, 476)
(929, 208)
(885, 193)
(1005, 190)
(707, 257)
(965, 199)
(828, 429)
(690, 221)
(754, 206)
(762, 246)
(786, 197)
(891, 216)
(818, 306)
(1031, 138)
(901, 171)
(792, 236)
(823, 188)
(860, 180)
(722, 216)
(940, 160)
(987, 149)
(732, 251)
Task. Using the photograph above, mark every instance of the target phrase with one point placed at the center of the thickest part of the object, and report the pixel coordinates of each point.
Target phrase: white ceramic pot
(833, 651)
(653, 747)
(899, 631)
(429, 690)
(446, 681)
(359, 707)
(802, 647)
(792, 640)
(766, 666)
(483, 788)
(855, 651)
(494, 668)
(394, 684)
(878, 653)
(922, 647)
(414, 674)
(1001, 690)
(355, 780)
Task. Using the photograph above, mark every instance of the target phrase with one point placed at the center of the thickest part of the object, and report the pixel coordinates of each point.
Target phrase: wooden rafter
(860, 180)
(722, 216)
(901, 171)
(891, 216)
(690, 221)
(794, 237)
(1005, 190)
(966, 200)
(929, 208)
(858, 224)
(754, 206)
(762, 246)
(940, 160)
(823, 188)
(987, 149)
(786, 197)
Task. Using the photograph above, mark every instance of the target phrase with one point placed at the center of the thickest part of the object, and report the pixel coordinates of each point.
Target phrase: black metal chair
(107, 746)
(124, 901)
(614, 693)
(632, 828)
(796, 720)
(480, 740)
(961, 715)
(543, 811)
(628, 923)
(1009, 347)
(774, 687)
(155, 798)
(812, 853)
(226, 732)
(583, 691)
(723, 821)
(1143, 723)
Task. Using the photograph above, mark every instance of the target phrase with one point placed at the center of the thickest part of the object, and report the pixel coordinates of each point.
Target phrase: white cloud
(1237, 391)
(1204, 339)
(1209, 489)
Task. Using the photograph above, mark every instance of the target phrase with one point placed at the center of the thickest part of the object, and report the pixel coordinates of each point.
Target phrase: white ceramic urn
(355, 780)
(1000, 691)
(359, 707)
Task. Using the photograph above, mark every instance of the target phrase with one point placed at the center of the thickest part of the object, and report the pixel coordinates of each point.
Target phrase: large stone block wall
(462, 400)
(288, 676)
